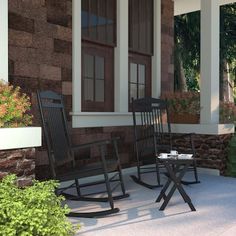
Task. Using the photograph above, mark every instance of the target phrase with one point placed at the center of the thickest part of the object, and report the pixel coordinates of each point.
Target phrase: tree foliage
(187, 45)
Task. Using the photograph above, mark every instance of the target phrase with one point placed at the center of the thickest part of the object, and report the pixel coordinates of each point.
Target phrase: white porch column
(156, 59)
(122, 57)
(209, 62)
(4, 40)
(76, 56)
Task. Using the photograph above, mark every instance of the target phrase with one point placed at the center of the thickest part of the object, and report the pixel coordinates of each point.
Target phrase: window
(99, 21)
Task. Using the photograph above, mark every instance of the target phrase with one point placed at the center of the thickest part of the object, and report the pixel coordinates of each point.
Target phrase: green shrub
(33, 210)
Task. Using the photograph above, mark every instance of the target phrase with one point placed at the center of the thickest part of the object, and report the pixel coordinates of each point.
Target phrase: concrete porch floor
(214, 199)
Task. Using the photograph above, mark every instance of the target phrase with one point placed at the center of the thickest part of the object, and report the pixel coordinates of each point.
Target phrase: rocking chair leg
(108, 187)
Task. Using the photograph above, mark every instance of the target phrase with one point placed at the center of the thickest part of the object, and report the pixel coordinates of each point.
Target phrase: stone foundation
(211, 150)
(20, 162)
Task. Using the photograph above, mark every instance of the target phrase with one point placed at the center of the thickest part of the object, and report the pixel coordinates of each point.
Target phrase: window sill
(101, 119)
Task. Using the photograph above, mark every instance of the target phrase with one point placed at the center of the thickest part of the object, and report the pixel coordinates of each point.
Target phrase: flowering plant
(183, 102)
(14, 107)
(189, 103)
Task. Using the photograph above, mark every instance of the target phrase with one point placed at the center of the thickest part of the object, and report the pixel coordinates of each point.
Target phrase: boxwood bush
(33, 210)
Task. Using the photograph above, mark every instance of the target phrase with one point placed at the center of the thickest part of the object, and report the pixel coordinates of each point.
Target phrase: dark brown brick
(57, 12)
(66, 74)
(18, 22)
(62, 46)
(10, 67)
(45, 84)
(25, 83)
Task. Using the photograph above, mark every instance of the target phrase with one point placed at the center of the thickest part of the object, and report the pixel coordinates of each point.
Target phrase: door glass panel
(99, 92)
(133, 72)
(99, 67)
(88, 66)
(88, 89)
(141, 74)
(97, 78)
(141, 91)
(133, 91)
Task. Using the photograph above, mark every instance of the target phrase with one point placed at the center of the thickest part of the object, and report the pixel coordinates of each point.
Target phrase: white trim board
(22, 137)
(4, 40)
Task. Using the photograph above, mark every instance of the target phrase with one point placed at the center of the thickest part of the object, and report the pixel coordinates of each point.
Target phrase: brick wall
(40, 37)
(40, 48)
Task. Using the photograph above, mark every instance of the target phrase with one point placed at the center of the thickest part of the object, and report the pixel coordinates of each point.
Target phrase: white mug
(173, 152)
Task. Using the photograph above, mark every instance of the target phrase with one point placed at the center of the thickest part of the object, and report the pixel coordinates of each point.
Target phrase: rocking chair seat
(88, 170)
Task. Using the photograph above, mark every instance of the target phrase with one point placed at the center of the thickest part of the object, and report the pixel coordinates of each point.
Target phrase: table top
(180, 158)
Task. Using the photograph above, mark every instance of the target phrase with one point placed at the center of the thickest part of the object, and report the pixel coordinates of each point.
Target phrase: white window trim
(121, 116)
(4, 40)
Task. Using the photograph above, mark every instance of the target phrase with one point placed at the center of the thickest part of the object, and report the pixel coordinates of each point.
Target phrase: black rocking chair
(63, 164)
(152, 136)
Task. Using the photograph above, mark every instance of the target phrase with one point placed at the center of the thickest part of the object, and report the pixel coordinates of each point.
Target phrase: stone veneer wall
(40, 57)
(20, 162)
(211, 150)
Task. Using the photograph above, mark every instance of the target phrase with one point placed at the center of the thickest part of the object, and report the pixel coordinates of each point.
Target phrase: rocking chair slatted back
(55, 129)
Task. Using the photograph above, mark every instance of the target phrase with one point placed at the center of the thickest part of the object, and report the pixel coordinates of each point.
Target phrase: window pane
(141, 74)
(88, 89)
(93, 20)
(110, 21)
(88, 68)
(133, 91)
(133, 73)
(102, 20)
(98, 20)
(149, 26)
(99, 67)
(99, 91)
(85, 18)
(141, 91)
(140, 26)
(135, 26)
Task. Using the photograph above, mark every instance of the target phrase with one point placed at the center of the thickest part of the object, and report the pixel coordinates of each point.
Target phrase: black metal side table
(176, 169)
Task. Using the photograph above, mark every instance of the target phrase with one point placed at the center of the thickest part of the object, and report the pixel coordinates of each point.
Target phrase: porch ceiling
(186, 6)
